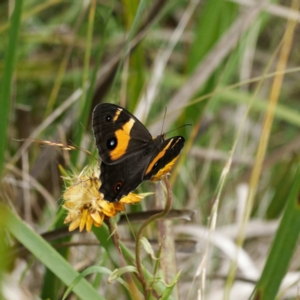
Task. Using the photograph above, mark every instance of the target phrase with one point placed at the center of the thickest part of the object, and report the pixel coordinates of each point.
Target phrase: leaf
(167, 292)
(283, 247)
(148, 248)
(45, 253)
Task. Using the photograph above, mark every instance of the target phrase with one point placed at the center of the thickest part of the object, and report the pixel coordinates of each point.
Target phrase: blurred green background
(228, 68)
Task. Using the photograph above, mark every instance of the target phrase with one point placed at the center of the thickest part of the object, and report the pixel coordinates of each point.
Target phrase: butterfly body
(129, 153)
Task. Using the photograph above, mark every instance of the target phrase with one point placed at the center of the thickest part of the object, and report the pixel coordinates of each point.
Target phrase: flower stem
(134, 292)
(139, 235)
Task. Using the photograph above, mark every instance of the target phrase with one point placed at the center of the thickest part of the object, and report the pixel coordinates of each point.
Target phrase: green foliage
(46, 254)
(6, 81)
(283, 246)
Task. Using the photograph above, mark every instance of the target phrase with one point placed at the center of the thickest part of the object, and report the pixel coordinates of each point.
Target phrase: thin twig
(134, 292)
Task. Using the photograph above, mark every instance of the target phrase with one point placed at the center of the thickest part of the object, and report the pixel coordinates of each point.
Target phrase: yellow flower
(85, 204)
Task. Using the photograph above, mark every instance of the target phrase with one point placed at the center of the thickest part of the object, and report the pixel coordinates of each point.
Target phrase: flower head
(85, 204)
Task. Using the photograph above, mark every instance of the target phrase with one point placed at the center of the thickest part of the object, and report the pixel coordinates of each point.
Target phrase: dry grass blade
(273, 9)
(34, 183)
(202, 73)
(49, 120)
(263, 143)
(160, 63)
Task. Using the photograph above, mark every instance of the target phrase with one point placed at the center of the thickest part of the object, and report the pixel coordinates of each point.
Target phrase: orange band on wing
(160, 155)
(123, 138)
(117, 114)
(165, 170)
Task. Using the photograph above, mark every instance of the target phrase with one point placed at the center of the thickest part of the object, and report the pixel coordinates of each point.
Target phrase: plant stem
(139, 235)
(134, 292)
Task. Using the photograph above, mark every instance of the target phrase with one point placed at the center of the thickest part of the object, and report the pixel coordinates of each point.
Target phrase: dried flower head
(85, 204)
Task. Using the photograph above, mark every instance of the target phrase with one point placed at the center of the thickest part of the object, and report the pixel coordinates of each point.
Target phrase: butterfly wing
(163, 160)
(128, 152)
(118, 134)
(120, 179)
(156, 160)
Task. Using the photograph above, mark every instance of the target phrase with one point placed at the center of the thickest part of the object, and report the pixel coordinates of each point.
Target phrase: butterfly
(130, 155)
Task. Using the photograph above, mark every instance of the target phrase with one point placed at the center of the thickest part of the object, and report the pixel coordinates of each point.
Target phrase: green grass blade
(137, 58)
(88, 271)
(167, 292)
(103, 235)
(282, 111)
(283, 247)
(86, 103)
(140, 9)
(45, 253)
(5, 89)
(208, 29)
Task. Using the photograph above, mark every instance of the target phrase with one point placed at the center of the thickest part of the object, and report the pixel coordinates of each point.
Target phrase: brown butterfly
(129, 153)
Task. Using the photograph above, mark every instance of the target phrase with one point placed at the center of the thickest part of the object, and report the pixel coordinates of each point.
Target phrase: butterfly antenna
(162, 129)
(178, 128)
